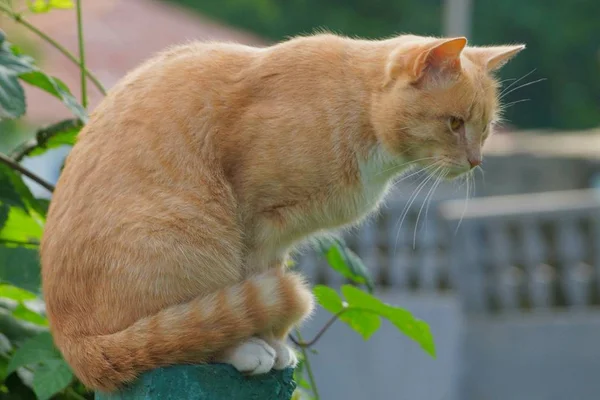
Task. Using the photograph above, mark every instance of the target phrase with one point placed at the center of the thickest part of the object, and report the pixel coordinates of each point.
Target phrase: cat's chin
(455, 173)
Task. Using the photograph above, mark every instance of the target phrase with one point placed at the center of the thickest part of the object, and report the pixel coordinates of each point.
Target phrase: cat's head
(439, 100)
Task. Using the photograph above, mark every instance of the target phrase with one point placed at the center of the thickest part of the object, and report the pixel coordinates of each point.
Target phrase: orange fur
(203, 168)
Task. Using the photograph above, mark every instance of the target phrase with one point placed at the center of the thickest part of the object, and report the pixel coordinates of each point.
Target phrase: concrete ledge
(206, 382)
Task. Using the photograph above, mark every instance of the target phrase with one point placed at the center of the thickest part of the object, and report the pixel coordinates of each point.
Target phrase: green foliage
(343, 260)
(561, 37)
(30, 365)
(15, 65)
(363, 312)
(44, 6)
(51, 372)
(12, 95)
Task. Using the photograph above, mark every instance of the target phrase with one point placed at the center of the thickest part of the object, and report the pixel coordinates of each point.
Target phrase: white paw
(254, 356)
(286, 356)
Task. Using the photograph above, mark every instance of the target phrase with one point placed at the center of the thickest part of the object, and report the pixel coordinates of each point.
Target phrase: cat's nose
(474, 162)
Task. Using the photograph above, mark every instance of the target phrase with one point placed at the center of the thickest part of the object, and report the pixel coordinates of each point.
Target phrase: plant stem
(301, 343)
(19, 19)
(84, 100)
(311, 376)
(17, 167)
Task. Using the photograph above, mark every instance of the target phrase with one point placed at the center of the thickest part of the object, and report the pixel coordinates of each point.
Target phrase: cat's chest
(351, 204)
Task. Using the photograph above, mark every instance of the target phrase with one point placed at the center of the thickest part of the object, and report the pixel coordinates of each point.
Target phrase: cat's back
(140, 150)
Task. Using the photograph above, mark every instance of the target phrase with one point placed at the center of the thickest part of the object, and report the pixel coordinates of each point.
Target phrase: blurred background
(510, 279)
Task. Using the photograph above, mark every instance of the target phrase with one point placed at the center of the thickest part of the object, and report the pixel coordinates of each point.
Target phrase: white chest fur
(376, 175)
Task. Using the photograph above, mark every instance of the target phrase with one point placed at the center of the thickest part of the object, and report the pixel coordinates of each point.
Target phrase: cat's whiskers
(504, 94)
(512, 103)
(506, 80)
(515, 82)
(478, 168)
(412, 198)
(440, 180)
(425, 200)
(468, 177)
(418, 171)
(402, 165)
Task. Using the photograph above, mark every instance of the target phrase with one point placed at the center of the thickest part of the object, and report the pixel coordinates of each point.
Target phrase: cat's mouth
(454, 173)
(450, 170)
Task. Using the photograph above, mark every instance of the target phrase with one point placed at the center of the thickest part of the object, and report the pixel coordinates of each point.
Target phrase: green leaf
(328, 299)
(38, 6)
(5, 345)
(20, 267)
(363, 312)
(25, 217)
(44, 204)
(15, 192)
(343, 260)
(18, 331)
(364, 323)
(8, 192)
(34, 351)
(62, 4)
(15, 293)
(23, 313)
(63, 138)
(409, 325)
(50, 378)
(4, 210)
(13, 63)
(57, 88)
(44, 6)
(412, 327)
(21, 228)
(12, 95)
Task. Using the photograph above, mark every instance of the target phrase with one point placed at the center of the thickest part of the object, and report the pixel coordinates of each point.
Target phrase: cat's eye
(455, 123)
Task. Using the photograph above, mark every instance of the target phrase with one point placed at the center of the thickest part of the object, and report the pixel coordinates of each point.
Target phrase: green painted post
(206, 382)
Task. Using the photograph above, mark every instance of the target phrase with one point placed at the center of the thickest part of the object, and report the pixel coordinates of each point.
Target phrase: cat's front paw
(286, 356)
(253, 357)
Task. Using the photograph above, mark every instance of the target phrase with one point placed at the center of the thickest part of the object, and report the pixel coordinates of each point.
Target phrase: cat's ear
(439, 58)
(492, 58)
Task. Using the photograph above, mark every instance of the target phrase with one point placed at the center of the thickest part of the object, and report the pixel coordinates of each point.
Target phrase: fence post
(206, 382)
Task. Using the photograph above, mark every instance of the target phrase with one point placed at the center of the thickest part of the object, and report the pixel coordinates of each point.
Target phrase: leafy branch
(18, 167)
(303, 344)
(359, 309)
(60, 133)
(18, 18)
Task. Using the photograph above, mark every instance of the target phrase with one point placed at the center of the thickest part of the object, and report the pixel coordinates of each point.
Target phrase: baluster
(541, 285)
(508, 284)
(511, 281)
(471, 276)
(576, 278)
(595, 232)
(540, 277)
(580, 278)
(429, 272)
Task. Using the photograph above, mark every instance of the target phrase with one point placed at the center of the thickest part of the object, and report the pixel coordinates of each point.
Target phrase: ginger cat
(202, 169)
